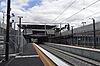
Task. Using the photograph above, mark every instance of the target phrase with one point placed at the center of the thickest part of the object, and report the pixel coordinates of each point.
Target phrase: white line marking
(10, 55)
(29, 56)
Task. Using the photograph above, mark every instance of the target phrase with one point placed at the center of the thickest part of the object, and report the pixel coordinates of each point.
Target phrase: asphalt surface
(26, 62)
(28, 50)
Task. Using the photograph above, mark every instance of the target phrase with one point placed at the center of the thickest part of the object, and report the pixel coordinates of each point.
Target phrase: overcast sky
(54, 11)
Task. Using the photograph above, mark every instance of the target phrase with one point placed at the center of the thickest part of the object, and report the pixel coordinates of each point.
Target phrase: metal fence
(15, 44)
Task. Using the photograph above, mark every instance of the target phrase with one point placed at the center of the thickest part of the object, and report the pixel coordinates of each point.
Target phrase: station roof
(24, 26)
(36, 36)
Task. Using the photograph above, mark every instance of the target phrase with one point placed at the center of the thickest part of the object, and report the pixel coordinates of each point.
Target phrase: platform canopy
(24, 26)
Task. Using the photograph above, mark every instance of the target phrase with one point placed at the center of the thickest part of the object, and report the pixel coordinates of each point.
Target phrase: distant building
(38, 33)
(82, 36)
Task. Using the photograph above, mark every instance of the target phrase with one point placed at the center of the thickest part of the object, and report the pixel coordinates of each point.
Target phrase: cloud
(47, 10)
(32, 3)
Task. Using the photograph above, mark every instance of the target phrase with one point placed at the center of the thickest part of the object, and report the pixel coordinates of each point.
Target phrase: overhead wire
(92, 14)
(64, 10)
(47, 7)
(89, 16)
(81, 10)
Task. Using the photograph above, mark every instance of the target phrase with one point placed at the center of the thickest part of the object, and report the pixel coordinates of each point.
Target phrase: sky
(73, 12)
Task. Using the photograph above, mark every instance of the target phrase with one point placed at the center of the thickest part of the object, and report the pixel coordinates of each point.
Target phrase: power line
(89, 16)
(81, 10)
(64, 10)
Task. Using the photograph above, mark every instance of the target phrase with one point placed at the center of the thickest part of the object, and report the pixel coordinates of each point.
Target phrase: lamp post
(72, 35)
(7, 31)
(83, 32)
(60, 29)
(94, 34)
(83, 23)
(60, 33)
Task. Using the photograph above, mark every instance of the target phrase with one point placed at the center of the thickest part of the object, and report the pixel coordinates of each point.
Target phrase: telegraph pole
(7, 31)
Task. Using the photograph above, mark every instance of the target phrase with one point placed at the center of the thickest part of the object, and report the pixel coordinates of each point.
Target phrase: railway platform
(34, 55)
(29, 57)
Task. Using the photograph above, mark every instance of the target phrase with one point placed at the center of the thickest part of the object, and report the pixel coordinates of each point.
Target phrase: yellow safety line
(46, 61)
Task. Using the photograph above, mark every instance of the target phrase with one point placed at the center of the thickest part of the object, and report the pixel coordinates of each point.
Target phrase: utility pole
(3, 17)
(72, 35)
(45, 29)
(19, 33)
(94, 33)
(7, 31)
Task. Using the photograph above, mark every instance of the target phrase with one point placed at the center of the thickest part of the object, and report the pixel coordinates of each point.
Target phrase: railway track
(72, 59)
